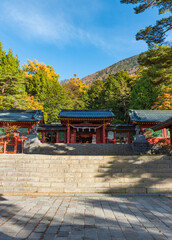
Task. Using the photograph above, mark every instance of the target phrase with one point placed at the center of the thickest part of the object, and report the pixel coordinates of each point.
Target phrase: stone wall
(85, 175)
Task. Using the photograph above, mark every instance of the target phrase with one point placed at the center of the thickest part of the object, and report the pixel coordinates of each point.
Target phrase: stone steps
(85, 175)
(86, 149)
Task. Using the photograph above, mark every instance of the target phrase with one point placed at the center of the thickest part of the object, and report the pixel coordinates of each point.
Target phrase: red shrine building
(85, 126)
(165, 125)
(15, 125)
(79, 126)
(148, 120)
(95, 126)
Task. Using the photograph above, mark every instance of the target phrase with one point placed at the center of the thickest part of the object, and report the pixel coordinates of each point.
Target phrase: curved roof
(20, 115)
(150, 115)
(165, 124)
(103, 113)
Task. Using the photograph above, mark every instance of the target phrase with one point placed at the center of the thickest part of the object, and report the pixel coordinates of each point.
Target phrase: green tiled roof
(51, 127)
(162, 125)
(117, 127)
(20, 115)
(103, 113)
(150, 115)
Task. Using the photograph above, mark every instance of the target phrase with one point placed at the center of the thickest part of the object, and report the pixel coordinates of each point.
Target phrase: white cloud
(34, 22)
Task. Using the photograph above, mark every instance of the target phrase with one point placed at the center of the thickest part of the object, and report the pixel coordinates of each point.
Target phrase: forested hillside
(37, 86)
(129, 64)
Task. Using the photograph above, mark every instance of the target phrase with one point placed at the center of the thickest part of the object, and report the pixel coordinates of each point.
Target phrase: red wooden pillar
(68, 133)
(57, 137)
(129, 139)
(5, 145)
(15, 144)
(114, 136)
(43, 137)
(65, 137)
(171, 137)
(104, 134)
(74, 132)
(164, 132)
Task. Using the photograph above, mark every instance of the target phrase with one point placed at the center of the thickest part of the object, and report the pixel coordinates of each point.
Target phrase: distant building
(23, 120)
(165, 125)
(86, 126)
(147, 119)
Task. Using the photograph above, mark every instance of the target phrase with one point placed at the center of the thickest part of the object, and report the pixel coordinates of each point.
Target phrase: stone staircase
(86, 149)
(55, 175)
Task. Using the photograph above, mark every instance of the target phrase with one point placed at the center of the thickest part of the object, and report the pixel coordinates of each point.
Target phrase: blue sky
(73, 36)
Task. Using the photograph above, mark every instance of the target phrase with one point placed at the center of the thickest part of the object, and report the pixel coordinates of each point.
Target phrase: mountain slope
(129, 64)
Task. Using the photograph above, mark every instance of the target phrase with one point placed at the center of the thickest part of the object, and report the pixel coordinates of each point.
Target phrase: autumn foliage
(164, 101)
(34, 66)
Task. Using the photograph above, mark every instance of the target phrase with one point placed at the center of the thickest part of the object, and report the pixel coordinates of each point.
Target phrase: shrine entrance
(86, 136)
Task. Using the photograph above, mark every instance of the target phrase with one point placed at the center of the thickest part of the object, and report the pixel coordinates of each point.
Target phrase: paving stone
(94, 218)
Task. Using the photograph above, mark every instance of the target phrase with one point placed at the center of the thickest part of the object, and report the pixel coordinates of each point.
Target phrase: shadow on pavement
(132, 218)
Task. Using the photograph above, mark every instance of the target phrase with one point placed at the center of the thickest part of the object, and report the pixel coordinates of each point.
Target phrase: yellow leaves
(77, 83)
(27, 75)
(164, 101)
(34, 66)
(32, 103)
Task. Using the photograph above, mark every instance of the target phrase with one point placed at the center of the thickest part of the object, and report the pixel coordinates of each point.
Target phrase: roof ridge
(88, 110)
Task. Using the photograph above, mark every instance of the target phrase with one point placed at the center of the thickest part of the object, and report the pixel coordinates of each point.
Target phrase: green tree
(112, 93)
(77, 91)
(153, 34)
(12, 83)
(144, 93)
(158, 62)
(95, 95)
(117, 94)
(43, 83)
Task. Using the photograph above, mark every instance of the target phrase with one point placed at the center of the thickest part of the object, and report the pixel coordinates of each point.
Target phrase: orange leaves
(164, 101)
(34, 66)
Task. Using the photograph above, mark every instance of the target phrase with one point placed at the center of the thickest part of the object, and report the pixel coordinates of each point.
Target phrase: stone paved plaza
(103, 218)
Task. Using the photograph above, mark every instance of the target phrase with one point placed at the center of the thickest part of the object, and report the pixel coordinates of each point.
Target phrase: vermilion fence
(10, 144)
(158, 140)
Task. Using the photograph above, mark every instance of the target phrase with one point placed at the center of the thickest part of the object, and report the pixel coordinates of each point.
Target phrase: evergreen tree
(12, 83)
(117, 94)
(95, 95)
(158, 62)
(144, 93)
(153, 34)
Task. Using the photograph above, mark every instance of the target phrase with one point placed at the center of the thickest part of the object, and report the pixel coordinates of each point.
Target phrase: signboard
(93, 138)
(110, 135)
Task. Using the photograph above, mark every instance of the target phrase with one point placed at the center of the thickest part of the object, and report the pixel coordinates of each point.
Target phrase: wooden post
(74, 135)
(57, 137)
(15, 144)
(28, 130)
(43, 137)
(104, 134)
(65, 137)
(51, 137)
(114, 136)
(68, 133)
(171, 137)
(164, 132)
(129, 139)
(5, 145)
